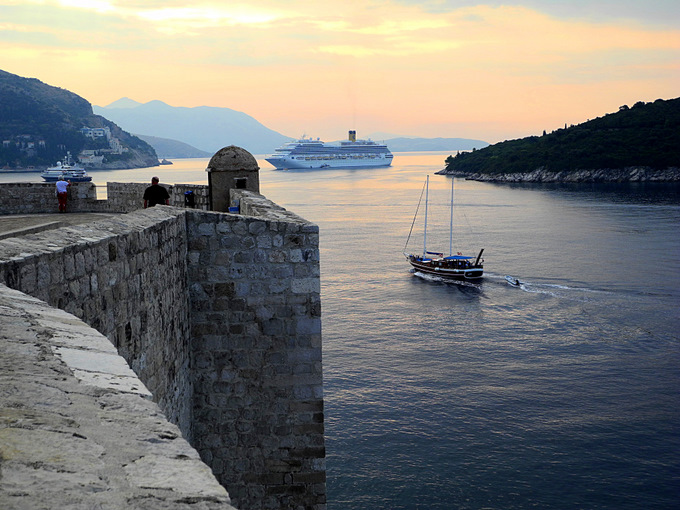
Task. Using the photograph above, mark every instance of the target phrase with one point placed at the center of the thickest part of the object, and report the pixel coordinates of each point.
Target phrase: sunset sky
(429, 68)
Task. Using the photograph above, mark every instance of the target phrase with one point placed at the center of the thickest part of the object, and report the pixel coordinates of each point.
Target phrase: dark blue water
(564, 393)
(561, 394)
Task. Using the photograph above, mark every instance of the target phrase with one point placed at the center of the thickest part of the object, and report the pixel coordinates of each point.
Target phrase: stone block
(206, 229)
(306, 286)
(310, 326)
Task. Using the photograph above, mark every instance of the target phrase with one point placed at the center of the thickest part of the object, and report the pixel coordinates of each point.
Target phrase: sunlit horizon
(422, 69)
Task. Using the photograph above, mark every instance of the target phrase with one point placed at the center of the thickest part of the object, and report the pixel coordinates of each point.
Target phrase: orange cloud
(480, 71)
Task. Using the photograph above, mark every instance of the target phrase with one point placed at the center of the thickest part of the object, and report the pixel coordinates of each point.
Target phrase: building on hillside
(94, 133)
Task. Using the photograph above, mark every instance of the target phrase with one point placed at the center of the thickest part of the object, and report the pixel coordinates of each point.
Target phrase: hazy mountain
(204, 127)
(167, 148)
(433, 144)
(397, 143)
(39, 123)
(124, 102)
(210, 128)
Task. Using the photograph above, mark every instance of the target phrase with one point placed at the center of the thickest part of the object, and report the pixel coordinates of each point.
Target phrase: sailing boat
(455, 266)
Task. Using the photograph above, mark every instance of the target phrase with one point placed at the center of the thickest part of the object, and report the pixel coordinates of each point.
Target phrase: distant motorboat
(513, 281)
(68, 171)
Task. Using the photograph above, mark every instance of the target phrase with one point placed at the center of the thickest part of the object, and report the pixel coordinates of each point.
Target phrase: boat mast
(427, 191)
(451, 222)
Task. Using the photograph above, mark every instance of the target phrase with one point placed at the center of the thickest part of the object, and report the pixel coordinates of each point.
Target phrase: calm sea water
(563, 393)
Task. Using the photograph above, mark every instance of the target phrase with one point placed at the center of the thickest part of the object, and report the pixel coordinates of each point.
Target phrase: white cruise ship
(309, 153)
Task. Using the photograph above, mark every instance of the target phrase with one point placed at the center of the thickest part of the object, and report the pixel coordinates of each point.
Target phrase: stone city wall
(219, 315)
(256, 333)
(36, 198)
(40, 198)
(127, 197)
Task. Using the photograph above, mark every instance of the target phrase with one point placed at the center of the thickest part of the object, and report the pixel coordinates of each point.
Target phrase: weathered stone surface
(267, 336)
(68, 443)
(232, 159)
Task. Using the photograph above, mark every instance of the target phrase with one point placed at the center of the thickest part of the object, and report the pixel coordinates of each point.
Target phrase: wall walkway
(78, 428)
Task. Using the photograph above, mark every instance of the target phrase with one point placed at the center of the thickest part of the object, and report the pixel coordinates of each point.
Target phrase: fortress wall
(219, 315)
(35, 198)
(200, 192)
(125, 196)
(40, 198)
(126, 277)
(256, 335)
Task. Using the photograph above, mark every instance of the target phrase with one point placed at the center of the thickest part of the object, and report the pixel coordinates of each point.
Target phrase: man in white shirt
(62, 193)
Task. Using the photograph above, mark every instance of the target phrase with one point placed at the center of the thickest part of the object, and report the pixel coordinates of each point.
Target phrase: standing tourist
(62, 193)
(155, 194)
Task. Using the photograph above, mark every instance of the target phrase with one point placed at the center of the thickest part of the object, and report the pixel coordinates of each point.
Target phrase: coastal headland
(636, 144)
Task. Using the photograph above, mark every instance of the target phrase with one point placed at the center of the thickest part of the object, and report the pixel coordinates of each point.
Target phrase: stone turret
(231, 168)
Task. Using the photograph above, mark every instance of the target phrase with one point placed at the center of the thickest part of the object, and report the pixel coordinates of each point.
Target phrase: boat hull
(53, 175)
(446, 269)
(297, 164)
(50, 178)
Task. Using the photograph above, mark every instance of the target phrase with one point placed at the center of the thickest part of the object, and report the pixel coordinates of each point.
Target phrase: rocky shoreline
(629, 174)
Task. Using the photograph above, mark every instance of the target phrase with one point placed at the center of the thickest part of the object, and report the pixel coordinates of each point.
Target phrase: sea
(563, 393)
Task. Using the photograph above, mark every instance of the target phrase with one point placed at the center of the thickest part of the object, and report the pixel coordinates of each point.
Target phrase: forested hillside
(646, 135)
(40, 123)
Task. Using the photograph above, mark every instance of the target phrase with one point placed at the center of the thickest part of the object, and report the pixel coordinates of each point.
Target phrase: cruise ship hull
(300, 164)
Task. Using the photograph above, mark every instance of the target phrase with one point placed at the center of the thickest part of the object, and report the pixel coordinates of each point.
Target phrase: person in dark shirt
(155, 194)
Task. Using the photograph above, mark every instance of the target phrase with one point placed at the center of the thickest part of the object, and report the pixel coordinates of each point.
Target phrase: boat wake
(551, 289)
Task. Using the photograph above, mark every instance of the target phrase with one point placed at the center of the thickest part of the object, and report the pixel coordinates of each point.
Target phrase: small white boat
(67, 170)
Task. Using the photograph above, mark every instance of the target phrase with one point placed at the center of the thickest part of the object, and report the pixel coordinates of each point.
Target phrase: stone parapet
(40, 198)
(128, 197)
(36, 198)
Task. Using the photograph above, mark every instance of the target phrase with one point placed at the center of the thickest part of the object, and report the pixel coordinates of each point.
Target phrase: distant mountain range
(177, 132)
(206, 128)
(433, 144)
(174, 149)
